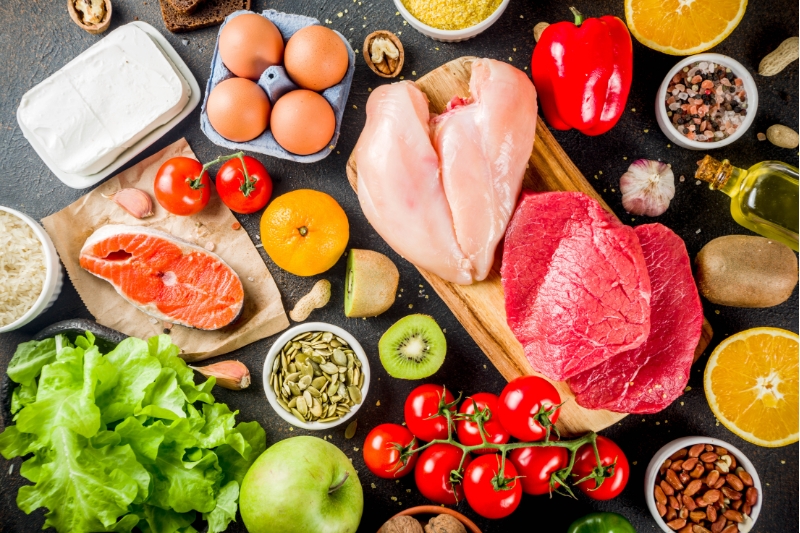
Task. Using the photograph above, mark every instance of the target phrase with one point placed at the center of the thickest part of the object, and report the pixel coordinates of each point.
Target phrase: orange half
(751, 383)
(683, 27)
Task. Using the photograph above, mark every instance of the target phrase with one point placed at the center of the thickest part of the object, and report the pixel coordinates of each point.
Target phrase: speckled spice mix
(451, 14)
(706, 102)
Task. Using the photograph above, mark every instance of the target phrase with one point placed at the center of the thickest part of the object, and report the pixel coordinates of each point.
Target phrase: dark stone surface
(38, 37)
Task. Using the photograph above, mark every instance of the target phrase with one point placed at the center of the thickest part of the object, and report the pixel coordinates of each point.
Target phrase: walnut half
(444, 524)
(384, 53)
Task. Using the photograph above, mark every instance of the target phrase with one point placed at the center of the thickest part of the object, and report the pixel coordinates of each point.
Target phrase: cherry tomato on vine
(180, 188)
(487, 494)
(240, 195)
(536, 464)
(585, 463)
(468, 433)
(520, 403)
(382, 455)
(433, 470)
(420, 412)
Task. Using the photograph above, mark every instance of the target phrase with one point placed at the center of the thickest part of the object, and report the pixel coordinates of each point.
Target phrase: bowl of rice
(30, 271)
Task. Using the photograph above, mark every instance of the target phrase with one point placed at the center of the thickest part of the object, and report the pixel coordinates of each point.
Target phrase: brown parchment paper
(263, 313)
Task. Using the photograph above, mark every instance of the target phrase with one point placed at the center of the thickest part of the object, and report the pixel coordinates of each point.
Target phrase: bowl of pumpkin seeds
(316, 376)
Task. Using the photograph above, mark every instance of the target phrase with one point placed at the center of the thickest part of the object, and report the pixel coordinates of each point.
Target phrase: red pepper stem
(578, 16)
(249, 184)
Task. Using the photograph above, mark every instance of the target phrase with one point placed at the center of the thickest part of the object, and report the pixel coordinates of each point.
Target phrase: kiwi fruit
(413, 348)
(370, 284)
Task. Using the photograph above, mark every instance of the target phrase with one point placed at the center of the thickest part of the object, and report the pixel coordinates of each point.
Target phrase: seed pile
(702, 490)
(706, 102)
(317, 377)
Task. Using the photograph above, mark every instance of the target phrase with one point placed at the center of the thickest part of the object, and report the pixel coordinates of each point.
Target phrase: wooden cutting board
(480, 307)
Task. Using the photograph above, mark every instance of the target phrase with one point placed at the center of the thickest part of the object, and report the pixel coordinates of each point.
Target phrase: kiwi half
(370, 283)
(413, 348)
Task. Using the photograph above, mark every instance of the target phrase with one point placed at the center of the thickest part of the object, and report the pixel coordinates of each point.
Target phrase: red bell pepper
(583, 73)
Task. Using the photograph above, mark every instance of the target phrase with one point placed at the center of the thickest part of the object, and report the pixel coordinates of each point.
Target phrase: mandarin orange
(305, 232)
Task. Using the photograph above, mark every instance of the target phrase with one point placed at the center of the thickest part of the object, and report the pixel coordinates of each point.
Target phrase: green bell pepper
(601, 523)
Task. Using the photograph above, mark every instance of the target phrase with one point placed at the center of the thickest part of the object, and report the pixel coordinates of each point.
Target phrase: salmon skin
(165, 277)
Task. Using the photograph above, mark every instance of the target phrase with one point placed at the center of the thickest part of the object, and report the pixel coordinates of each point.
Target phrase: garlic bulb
(647, 187)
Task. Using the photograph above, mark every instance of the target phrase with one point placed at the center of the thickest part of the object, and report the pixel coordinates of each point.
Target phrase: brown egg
(238, 109)
(249, 44)
(303, 122)
(316, 58)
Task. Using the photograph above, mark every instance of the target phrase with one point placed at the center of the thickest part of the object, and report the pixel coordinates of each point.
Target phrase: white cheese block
(104, 101)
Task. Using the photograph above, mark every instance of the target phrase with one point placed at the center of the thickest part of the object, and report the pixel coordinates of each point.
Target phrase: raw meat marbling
(577, 290)
(650, 377)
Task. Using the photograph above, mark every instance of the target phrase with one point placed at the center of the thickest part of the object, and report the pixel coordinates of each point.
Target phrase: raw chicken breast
(484, 144)
(441, 191)
(399, 186)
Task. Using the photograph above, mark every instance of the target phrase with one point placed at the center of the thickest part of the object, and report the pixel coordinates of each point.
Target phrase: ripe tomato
(239, 195)
(421, 405)
(432, 473)
(585, 463)
(468, 433)
(180, 189)
(382, 455)
(520, 403)
(480, 487)
(536, 464)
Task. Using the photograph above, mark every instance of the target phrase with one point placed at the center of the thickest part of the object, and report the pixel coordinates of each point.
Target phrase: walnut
(401, 524)
(384, 53)
(444, 523)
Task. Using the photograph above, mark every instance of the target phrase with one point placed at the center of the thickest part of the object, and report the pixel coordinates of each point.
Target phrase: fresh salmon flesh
(165, 277)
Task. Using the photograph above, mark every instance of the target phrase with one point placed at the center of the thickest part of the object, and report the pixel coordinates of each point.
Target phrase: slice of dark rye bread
(210, 13)
(187, 7)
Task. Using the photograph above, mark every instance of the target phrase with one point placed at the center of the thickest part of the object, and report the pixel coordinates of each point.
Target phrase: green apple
(301, 485)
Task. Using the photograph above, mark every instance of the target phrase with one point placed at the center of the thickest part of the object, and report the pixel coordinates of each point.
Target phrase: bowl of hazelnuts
(429, 519)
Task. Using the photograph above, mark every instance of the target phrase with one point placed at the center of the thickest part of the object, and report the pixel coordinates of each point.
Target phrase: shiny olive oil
(764, 198)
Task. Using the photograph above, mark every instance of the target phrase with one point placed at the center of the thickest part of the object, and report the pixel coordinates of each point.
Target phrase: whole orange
(305, 232)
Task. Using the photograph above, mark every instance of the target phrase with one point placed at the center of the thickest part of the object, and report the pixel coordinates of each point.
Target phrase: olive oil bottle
(764, 198)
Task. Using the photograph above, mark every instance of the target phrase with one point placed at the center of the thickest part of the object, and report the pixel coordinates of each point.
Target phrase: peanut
(672, 479)
(673, 502)
(693, 487)
(676, 465)
(671, 514)
(690, 463)
(697, 528)
(662, 509)
(660, 496)
(779, 59)
(718, 524)
(667, 488)
(746, 478)
(680, 454)
(698, 471)
(709, 457)
(696, 516)
(746, 509)
(782, 136)
(712, 477)
(318, 297)
(696, 450)
(736, 504)
(711, 513)
(712, 496)
(676, 524)
(751, 496)
(731, 494)
(733, 528)
(736, 516)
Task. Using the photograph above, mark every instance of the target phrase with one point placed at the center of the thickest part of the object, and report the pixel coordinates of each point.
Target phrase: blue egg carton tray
(276, 82)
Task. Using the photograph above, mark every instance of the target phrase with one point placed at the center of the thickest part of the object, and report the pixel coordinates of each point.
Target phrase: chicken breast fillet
(442, 190)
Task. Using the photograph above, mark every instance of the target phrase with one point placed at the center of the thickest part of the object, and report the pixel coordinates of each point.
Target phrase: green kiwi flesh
(370, 283)
(413, 348)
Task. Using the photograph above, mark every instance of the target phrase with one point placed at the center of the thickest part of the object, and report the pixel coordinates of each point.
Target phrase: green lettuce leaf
(184, 486)
(14, 443)
(225, 511)
(235, 464)
(86, 489)
(136, 370)
(30, 357)
(157, 520)
(23, 395)
(65, 396)
(143, 440)
(163, 398)
(161, 348)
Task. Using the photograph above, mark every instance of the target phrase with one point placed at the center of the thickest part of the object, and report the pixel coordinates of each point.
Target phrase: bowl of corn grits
(451, 20)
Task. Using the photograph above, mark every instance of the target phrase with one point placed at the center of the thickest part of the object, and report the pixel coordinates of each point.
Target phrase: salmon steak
(165, 277)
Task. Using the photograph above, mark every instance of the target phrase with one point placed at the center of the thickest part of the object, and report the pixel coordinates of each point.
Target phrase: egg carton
(276, 82)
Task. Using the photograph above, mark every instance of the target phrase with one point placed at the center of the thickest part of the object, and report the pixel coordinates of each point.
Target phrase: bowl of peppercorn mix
(706, 101)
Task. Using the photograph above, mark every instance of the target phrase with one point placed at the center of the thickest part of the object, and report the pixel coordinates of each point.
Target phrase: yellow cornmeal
(451, 14)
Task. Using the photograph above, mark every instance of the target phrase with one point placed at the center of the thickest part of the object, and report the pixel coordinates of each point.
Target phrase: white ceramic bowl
(54, 278)
(288, 335)
(453, 36)
(685, 442)
(737, 68)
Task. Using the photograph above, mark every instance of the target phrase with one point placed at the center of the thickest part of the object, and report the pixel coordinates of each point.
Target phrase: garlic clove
(647, 187)
(135, 201)
(232, 375)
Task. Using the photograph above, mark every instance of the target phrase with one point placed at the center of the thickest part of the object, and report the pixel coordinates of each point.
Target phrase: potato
(745, 271)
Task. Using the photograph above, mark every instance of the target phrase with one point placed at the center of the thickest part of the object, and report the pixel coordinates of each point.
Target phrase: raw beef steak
(650, 377)
(576, 285)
